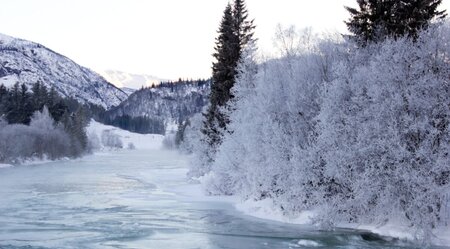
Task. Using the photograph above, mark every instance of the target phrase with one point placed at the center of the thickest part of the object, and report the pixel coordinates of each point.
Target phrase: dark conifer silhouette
(235, 32)
(376, 20)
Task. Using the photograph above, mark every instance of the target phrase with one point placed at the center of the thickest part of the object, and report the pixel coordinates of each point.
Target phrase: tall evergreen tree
(3, 99)
(227, 56)
(18, 107)
(378, 19)
(235, 32)
(243, 26)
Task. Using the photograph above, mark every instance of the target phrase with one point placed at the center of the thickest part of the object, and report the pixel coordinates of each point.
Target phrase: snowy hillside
(128, 90)
(168, 102)
(139, 141)
(28, 62)
(130, 80)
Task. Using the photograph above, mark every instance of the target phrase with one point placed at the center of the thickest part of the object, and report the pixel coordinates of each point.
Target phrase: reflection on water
(127, 200)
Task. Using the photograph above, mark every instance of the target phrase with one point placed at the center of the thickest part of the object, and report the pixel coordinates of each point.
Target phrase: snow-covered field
(140, 141)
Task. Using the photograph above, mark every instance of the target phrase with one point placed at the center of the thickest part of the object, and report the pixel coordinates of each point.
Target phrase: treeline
(142, 125)
(38, 123)
(355, 128)
(181, 83)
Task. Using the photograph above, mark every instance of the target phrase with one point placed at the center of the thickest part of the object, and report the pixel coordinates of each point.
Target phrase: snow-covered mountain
(28, 62)
(168, 102)
(130, 80)
(128, 90)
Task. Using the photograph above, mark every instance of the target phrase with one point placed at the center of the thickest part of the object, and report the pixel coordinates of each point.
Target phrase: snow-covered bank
(44, 160)
(266, 209)
(2, 165)
(140, 141)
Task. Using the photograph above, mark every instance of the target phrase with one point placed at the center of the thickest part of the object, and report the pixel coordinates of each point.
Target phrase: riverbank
(266, 209)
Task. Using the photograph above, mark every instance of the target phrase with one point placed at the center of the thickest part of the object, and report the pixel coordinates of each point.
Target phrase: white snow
(39, 161)
(265, 209)
(6, 39)
(2, 165)
(309, 243)
(9, 80)
(403, 232)
(390, 230)
(140, 141)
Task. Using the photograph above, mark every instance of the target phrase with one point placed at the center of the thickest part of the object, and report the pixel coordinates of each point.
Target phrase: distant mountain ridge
(130, 80)
(166, 104)
(28, 62)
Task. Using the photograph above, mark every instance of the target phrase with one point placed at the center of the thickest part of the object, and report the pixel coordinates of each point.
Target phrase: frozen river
(140, 199)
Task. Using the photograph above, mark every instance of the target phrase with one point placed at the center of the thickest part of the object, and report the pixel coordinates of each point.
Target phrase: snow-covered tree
(384, 134)
(40, 139)
(272, 119)
(235, 33)
(111, 139)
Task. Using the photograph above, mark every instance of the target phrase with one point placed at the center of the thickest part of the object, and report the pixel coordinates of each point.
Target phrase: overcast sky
(164, 38)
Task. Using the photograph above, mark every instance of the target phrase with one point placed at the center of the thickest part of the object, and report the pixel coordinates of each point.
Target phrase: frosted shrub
(169, 141)
(94, 143)
(273, 122)
(199, 163)
(131, 146)
(385, 133)
(111, 139)
(38, 140)
(191, 134)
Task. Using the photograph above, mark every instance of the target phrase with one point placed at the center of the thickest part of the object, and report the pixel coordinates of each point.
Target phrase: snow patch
(44, 160)
(266, 209)
(6, 39)
(309, 243)
(140, 141)
(2, 165)
(403, 232)
(389, 230)
(9, 80)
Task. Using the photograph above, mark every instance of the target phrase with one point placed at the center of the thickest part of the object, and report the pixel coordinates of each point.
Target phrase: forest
(40, 124)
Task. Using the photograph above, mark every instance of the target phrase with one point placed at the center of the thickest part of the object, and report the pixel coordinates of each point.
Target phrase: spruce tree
(235, 32)
(18, 107)
(243, 26)
(227, 56)
(377, 20)
(3, 99)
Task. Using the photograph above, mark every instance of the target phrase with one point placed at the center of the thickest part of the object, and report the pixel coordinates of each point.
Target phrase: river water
(140, 199)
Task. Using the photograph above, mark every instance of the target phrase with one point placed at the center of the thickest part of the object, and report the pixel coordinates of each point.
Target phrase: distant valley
(136, 102)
